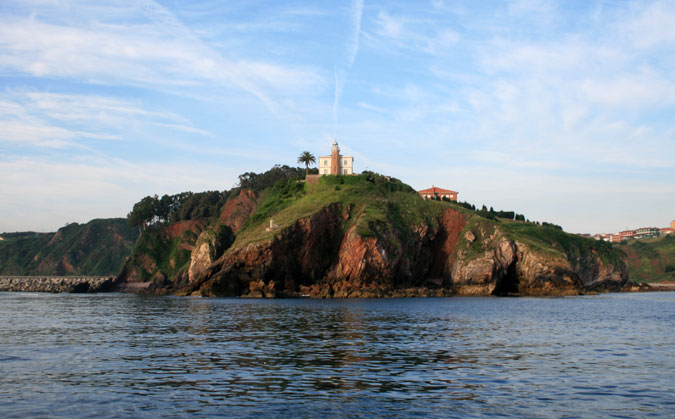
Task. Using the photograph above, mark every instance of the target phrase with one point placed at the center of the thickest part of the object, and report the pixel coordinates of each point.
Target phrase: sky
(561, 110)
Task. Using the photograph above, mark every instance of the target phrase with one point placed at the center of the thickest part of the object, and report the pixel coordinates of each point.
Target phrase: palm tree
(307, 158)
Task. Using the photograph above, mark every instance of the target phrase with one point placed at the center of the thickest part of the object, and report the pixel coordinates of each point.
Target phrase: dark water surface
(125, 355)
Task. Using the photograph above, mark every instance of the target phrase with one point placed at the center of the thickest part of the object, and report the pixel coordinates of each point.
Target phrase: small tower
(335, 159)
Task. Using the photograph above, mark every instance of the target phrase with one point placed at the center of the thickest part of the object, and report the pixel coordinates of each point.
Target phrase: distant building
(666, 231)
(434, 192)
(616, 238)
(672, 224)
(336, 164)
(1, 239)
(646, 232)
(627, 234)
(602, 236)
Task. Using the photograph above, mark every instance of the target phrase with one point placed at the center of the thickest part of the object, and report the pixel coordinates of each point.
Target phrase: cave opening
(509, 283)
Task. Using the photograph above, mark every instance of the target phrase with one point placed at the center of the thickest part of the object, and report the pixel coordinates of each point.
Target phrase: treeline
(259, 181)
(174, 208)
(509, 215)
(192, 206)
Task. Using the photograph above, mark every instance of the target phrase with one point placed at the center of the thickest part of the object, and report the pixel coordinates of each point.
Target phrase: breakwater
(55, 284)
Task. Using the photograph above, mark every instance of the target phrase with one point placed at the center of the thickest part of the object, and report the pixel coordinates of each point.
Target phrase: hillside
(98, 247)
(651, 260)
(365, 236)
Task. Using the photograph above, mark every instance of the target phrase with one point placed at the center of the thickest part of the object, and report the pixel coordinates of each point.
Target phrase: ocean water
(117, 355)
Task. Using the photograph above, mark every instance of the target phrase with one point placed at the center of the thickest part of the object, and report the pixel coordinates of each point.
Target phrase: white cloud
(652, 25)
(630, 90)
(156, 54)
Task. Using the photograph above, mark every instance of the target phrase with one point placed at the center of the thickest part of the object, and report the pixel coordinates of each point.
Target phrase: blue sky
(560, 110)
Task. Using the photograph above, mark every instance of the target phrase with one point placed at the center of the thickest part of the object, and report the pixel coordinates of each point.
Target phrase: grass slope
(156, 251)
(651, 260)
(374, 202)
(377, 206)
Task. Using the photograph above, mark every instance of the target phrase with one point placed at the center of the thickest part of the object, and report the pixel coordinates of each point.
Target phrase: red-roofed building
(440, 193)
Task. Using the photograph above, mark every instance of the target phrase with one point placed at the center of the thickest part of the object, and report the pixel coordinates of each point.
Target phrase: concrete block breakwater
(54, 284)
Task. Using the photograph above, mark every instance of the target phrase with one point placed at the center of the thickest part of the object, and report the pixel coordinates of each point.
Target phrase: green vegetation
(372, 204)
(96, 248)
(376, 203)
(650, 260)
(380, 205)
(156, 251)
(551, 239)
(171, 224)
(260, 181)
(173, 208)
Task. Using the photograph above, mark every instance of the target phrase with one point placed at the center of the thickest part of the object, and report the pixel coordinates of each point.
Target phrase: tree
(164, 207)
(143, 212)
(259, 181)
(306, 157)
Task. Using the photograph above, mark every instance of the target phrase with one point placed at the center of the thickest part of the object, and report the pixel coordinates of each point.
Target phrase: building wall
(450, 196)
(324, 165)
(345, 166)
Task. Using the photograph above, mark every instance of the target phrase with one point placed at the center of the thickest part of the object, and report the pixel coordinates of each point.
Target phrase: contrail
(232, 72)
(352, 50)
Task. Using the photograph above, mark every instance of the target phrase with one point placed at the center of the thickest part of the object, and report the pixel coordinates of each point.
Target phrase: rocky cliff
(369, 237)
(318, 257)
(167, 256)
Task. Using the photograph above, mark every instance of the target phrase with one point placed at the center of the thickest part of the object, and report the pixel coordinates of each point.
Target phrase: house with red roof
(438, 193)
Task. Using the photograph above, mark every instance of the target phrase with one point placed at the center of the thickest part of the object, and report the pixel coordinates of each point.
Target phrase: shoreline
(91, 284)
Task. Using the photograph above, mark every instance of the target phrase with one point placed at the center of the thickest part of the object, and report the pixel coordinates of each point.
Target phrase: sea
(121, 355)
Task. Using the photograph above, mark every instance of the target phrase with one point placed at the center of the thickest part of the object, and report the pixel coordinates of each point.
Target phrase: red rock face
(315, 257)
(238, 209)
(176, 230)
(318, 257)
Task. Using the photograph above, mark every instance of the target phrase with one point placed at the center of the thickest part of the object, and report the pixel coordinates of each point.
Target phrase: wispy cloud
(159, 52)
(651, 26)
(412, 34)
(351, 50)
(39, 119)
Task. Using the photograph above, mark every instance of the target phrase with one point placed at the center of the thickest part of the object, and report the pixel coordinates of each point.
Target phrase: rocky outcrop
(210, 244)
(162, 255)
(238, 209)
(56, 284)
(325, 256)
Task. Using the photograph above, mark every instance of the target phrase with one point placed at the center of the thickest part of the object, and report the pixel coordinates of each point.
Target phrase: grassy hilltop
(380, 203)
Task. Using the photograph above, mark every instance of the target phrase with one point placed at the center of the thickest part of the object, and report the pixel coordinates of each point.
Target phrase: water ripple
(121, 355)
